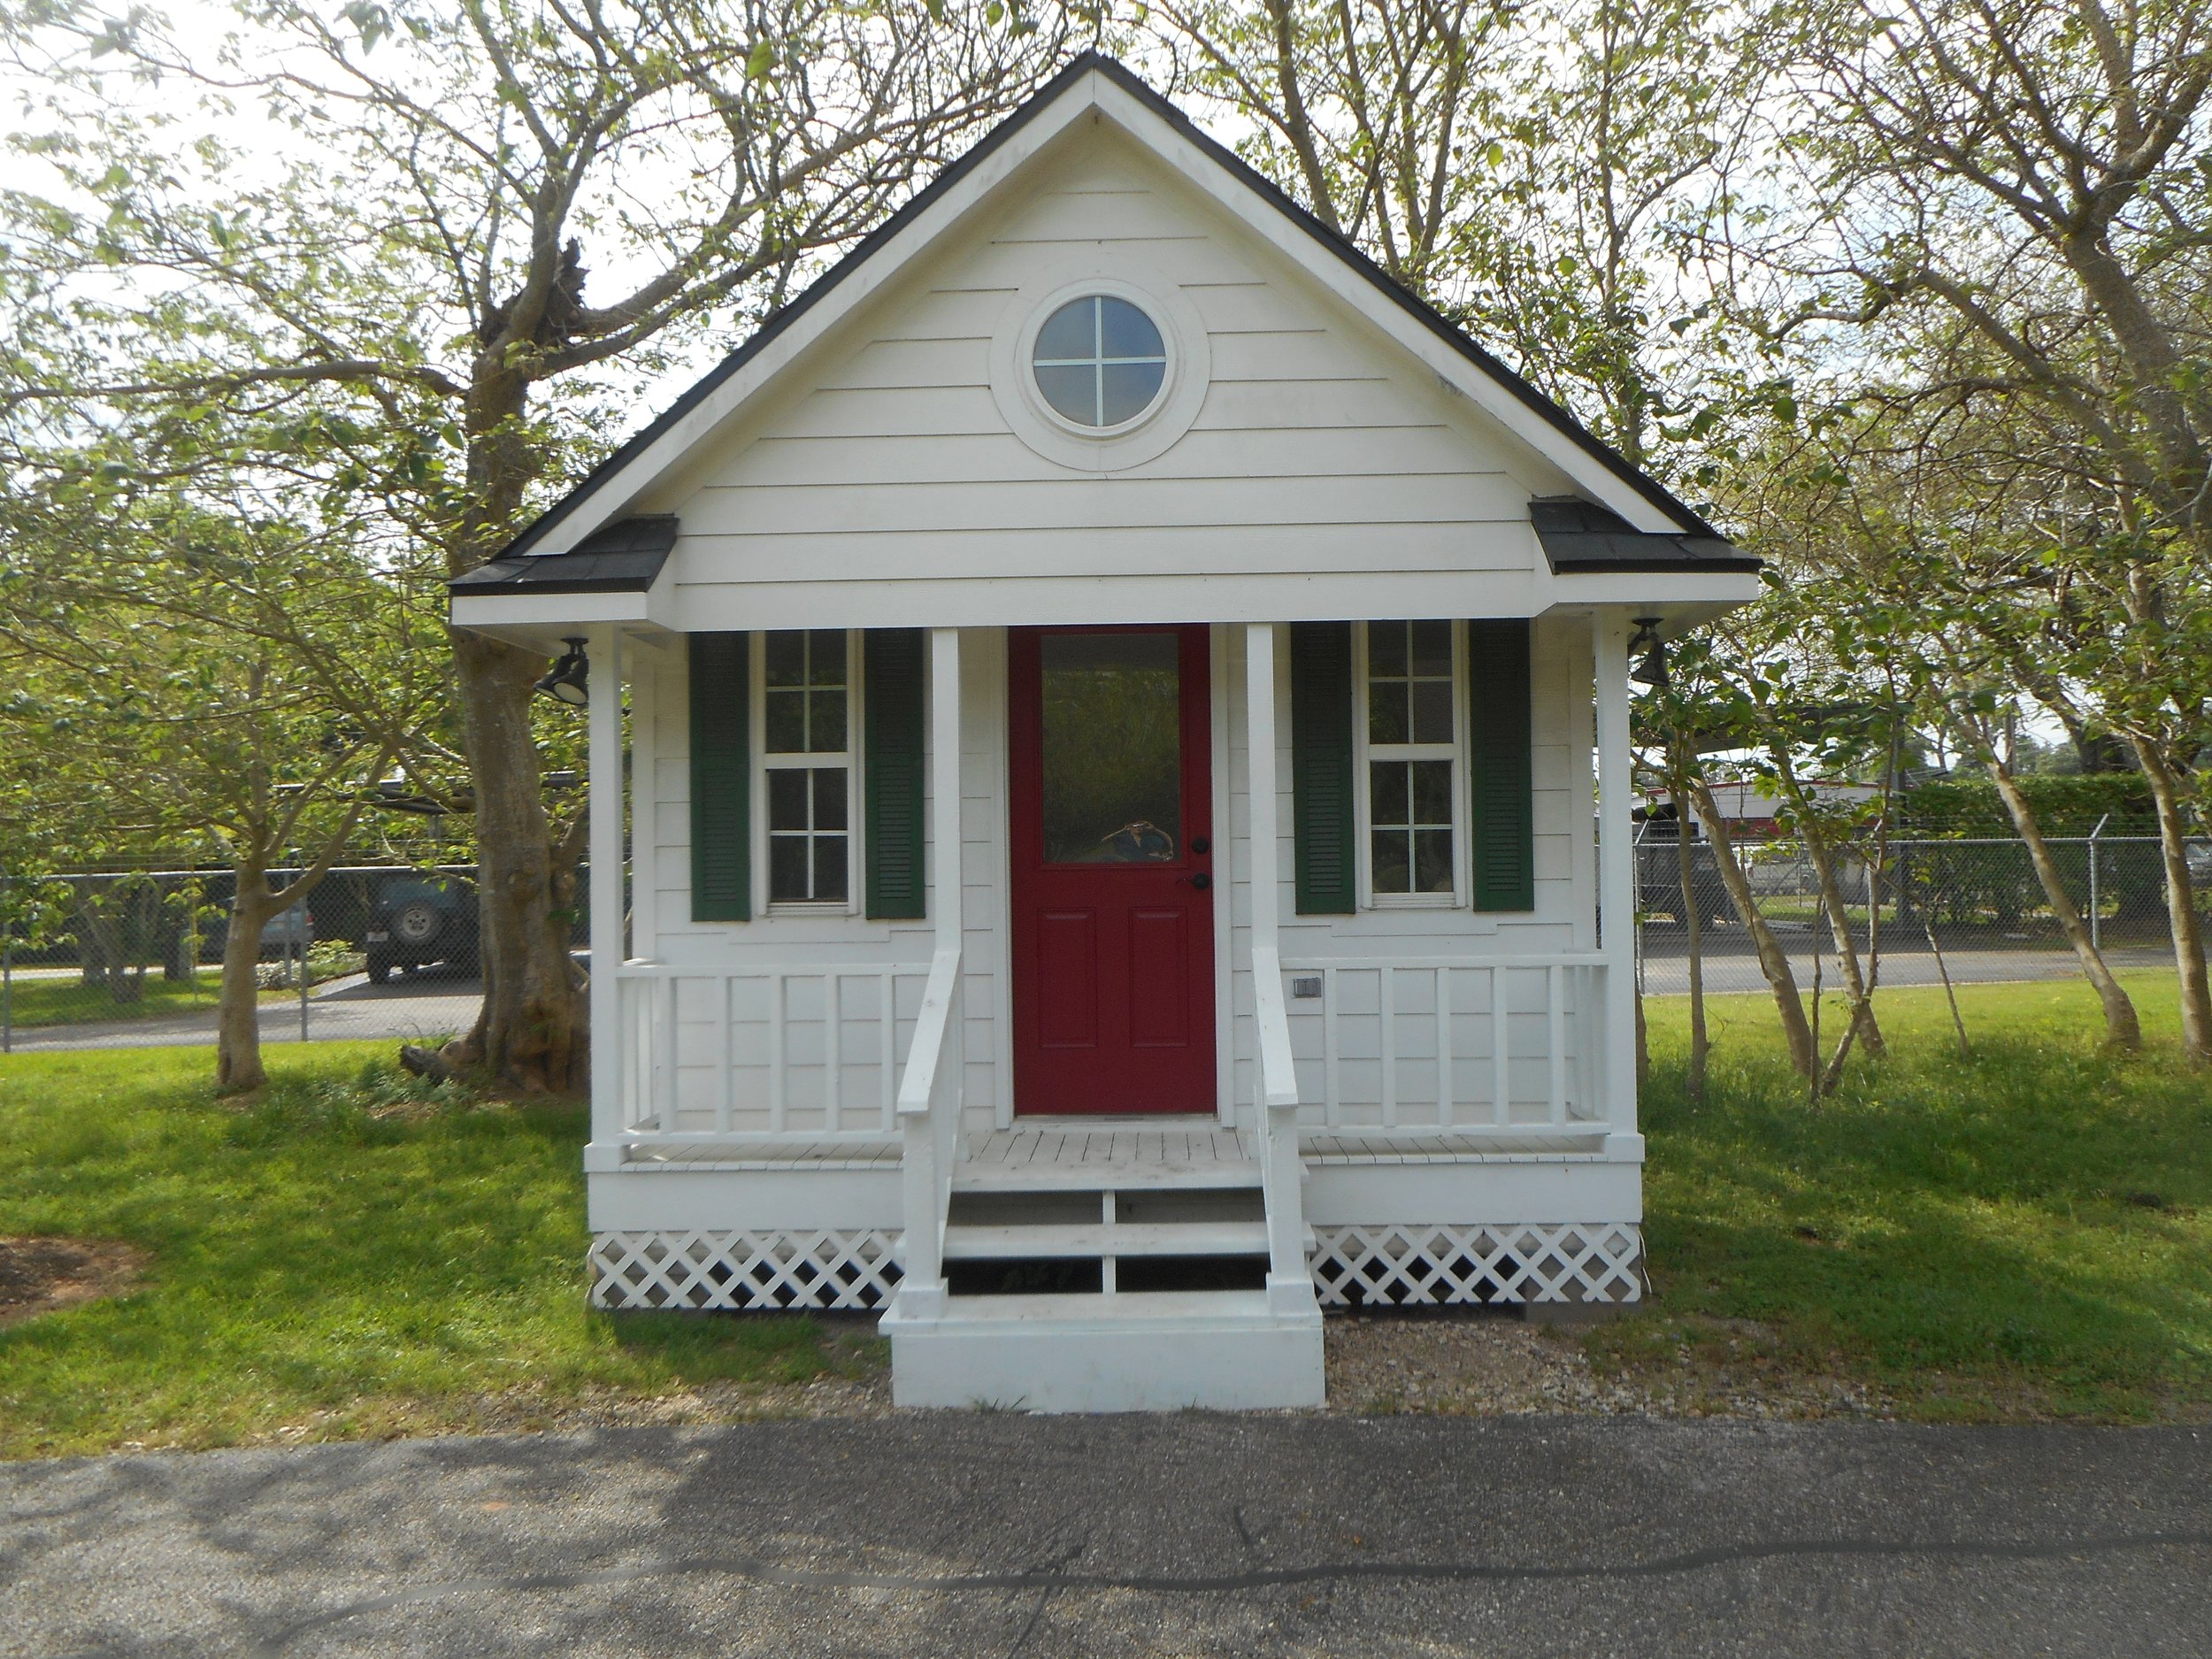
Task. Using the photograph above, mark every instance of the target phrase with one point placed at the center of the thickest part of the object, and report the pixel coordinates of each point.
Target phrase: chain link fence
(100, 948)
(1973, 907)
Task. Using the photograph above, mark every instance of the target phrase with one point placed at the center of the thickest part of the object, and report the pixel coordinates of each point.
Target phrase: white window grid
(1454, 752)
(812, 760)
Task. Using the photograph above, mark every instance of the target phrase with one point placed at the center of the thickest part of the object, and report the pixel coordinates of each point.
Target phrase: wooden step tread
(968, 1242)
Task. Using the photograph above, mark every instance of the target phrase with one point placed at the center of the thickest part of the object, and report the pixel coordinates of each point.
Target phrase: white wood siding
(1321, 452)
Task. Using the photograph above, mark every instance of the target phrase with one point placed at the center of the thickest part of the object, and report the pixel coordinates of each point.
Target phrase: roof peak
(1060, 85)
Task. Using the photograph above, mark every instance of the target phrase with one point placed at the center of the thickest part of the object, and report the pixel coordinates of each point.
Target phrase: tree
(2008, 206)
(220, 683)
(1532, 168)
(439, 308)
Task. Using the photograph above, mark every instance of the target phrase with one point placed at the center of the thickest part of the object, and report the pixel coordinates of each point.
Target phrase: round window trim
(1081, 361)
(1152, 432)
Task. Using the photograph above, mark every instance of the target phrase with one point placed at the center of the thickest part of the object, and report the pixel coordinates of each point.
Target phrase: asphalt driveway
(997, 1535)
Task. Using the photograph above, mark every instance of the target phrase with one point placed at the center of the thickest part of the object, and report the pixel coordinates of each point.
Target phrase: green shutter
(891, 732)
(1323, 809)
(1504, 829)
(721, 779)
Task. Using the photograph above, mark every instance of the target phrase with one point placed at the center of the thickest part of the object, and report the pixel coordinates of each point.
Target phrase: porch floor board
(1031, 1156)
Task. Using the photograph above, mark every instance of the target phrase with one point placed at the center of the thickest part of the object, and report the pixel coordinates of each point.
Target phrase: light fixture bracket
(569, 680)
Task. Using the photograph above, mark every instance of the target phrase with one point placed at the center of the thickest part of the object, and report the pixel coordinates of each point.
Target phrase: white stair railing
(1275, 1123)
(930, 1093)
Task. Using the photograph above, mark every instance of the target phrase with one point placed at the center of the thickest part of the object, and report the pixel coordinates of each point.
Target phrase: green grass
(66, 1000)
(2023, 1234)
(2027, 1234)
(354, 1253)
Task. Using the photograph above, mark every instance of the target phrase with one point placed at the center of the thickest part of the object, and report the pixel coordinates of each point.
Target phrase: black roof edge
(1684, 565)
(1130, 82)
(622, 556)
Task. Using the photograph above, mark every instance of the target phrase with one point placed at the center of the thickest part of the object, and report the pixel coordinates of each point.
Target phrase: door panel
(1111, 844)
(1159, 978)
(1067, 976)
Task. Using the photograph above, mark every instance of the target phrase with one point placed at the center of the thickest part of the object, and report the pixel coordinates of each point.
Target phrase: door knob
(1200, 845)
(1201, 880)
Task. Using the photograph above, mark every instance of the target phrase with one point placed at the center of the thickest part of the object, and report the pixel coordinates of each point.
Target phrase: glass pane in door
(1113, 754)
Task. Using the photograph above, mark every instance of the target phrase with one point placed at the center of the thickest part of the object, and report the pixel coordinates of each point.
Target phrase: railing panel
(1460, 1044)
(783, 1051)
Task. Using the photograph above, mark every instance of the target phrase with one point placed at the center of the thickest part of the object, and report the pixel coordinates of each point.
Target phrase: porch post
(1264, 864)
(608, 952)
(944, 784)
(1616, 883)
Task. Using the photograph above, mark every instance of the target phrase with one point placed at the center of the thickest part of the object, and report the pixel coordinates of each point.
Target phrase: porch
(1454, 1123)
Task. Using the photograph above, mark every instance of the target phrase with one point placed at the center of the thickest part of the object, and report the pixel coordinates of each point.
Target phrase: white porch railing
(931, 1094)
(1275, 1127)
(1459, 1045)
(761, 1052)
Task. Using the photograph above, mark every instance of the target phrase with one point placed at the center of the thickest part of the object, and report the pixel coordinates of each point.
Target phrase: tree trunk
(2122, 1030)
(238, 1005)
(1694, 930)
(1772, 962)
(2181, 909)
(1863, 1027)
(529, 1032)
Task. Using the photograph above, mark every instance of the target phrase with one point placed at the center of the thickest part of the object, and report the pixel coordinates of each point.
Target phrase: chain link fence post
(2096, 909)
(306, 939)
(7, 969)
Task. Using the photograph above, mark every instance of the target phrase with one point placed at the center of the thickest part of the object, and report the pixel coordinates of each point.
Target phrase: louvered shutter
(891, 732)
(1503, 829)
(721, 779)
(1324, 811)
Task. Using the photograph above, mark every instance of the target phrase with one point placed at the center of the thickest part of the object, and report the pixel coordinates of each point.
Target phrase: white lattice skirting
(1406, 1264)
(704, 1269)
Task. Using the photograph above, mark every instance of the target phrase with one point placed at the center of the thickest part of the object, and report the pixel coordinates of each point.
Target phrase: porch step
(1118, 1155)
(1055, 1240)
(1135, 1351)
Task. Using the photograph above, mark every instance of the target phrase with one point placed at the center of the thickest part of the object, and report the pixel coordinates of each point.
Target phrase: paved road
(410, 1009)
(1731, 965)
(1192, 1535)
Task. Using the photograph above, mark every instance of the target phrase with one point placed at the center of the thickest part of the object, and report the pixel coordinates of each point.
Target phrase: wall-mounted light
(1653, 670)
(568, 681)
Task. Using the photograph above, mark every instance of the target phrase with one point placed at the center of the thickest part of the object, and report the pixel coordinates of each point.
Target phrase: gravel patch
(1484, 1363)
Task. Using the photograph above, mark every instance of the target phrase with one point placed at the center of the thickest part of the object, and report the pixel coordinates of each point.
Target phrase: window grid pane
(1412, 800)
(806, 717)
(1100, 362)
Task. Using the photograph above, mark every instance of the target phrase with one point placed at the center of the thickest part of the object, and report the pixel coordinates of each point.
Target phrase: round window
(1099, 361)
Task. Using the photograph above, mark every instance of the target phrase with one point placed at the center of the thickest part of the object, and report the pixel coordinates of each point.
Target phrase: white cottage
(1113, 685)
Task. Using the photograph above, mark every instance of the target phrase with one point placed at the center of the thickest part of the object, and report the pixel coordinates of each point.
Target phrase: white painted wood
(603, 718)
(1402, 1076)
(1264, 851)
(965, 1242)
(946, 874)
(1616, 871)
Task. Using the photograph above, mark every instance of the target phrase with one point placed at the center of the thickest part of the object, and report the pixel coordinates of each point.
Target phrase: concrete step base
(1149, 1351)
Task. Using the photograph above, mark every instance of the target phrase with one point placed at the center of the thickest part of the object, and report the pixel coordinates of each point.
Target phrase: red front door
(1112, 804)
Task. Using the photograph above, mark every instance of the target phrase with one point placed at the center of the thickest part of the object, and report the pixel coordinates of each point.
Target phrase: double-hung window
(1410, 725)
(806, 756)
